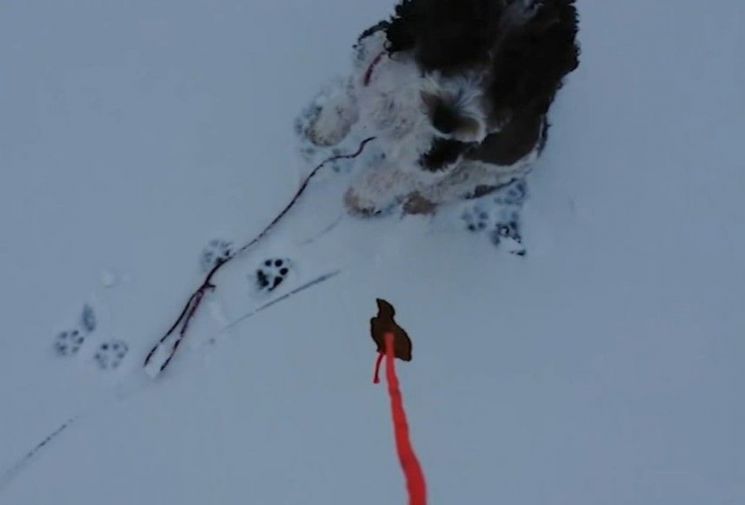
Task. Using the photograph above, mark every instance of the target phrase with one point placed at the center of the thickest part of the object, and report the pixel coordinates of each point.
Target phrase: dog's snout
(444, 118)
(442, 115)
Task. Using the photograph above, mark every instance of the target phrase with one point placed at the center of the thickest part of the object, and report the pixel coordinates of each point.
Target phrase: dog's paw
(329, 119)
(359, 206)
(330, 128)
(416, 204)
(272, 273)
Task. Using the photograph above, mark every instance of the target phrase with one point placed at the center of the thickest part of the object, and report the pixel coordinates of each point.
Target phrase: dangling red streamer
(409, 463)
(376, 377)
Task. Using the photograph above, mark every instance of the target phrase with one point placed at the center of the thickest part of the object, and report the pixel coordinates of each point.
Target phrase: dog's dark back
(529, 64)
(527, 70)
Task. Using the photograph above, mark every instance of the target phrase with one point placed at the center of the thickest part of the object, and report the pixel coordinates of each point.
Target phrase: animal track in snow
(272, 273)
(68, 342)
(498, 216)
(216, 249)
(109, 355)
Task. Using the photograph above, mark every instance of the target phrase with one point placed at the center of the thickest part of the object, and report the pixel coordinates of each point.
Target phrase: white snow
(109, 279)
(604, 367)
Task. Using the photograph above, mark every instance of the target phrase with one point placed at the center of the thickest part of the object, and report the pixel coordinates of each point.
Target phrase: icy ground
(605, 366)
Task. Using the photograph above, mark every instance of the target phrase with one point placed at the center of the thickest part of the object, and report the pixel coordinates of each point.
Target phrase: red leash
(376, 378)
(409, 463)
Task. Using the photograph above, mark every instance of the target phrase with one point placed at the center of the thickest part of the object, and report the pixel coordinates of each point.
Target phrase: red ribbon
(409, 463)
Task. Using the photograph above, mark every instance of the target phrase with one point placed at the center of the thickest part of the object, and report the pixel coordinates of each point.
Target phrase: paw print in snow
(476, 219)
(88, 319)
(109, 355)
(306, 119)
(340, 166)
(68, 342)
(508, 233)
(272, 273)
(514, 193)
(217, 249)
(499, 217)
(302, 124)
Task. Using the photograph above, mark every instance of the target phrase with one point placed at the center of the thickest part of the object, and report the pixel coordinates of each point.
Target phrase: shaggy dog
(456, 92)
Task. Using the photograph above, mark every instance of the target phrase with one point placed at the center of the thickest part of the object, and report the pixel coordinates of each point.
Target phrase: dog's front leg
(336, 115)
(377, 189)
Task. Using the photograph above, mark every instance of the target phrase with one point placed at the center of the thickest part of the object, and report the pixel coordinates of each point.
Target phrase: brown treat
(384, 323)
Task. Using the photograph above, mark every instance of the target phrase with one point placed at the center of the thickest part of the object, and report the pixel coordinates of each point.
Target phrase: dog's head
(482, 63)
(485, 63)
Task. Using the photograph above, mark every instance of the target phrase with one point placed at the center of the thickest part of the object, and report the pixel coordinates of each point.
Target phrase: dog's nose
(444, 119)
(442, 115)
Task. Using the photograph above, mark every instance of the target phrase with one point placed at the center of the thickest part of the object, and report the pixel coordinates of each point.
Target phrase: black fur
(530, 63)
(445, 35)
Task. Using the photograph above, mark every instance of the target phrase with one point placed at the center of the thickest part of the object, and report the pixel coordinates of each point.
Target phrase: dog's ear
(470, 129)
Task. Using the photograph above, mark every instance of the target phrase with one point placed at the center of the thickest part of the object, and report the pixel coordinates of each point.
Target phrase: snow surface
(604, 367)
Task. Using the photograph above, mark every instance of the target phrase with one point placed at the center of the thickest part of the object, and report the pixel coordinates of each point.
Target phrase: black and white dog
(457, 92)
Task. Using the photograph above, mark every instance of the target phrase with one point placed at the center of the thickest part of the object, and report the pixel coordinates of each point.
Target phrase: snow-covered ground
(603, 367)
